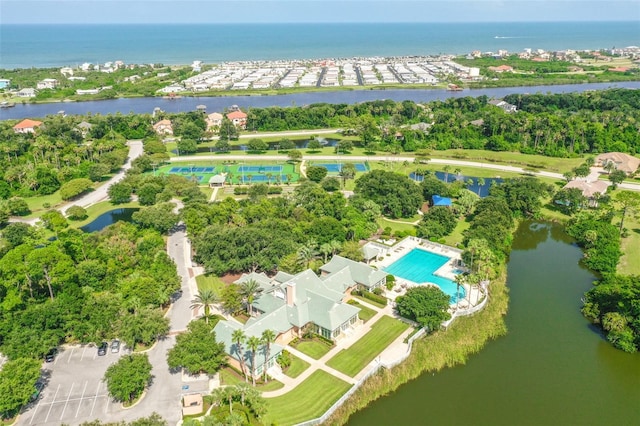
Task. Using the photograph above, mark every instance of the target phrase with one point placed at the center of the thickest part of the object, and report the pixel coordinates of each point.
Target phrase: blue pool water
(337, 167)
(419, 265)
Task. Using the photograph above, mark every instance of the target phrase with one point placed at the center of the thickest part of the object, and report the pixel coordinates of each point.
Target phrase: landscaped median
(352, 360)
(309, 400)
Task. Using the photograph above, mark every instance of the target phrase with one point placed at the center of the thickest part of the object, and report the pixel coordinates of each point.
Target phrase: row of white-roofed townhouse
(291, 78)
(423, 75)
(386, 75)
(368, 75)
(349, 75)
(331, 77)
(310, 78)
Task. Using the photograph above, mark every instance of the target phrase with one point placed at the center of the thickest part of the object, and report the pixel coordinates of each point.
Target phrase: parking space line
(83, 351)
(95, 399)
(67, 402)
(70, 355)
(51, 406)
(81, 398)
(33, 416)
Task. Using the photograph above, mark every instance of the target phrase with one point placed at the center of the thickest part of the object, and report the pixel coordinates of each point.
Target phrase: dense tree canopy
(127, 378)
(426, 305)
(397, 195)
(197, 350)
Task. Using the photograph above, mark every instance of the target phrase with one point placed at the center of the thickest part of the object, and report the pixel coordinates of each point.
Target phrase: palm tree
(460, 280)
(306, 253)
(446, 172)
(253, 343)
(239, 338)
(325, 250)
(249, 289)
(268, 337)
(335, 246)
(205, 298)
(480, 185)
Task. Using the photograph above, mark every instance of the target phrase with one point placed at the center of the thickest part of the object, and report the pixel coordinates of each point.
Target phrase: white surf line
(95, 399)
(51, 406)
(81, 398)
(67, 403)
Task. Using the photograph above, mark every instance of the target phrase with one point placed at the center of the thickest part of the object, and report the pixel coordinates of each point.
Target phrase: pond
(552, 368)
(475, 187)
(109, 218)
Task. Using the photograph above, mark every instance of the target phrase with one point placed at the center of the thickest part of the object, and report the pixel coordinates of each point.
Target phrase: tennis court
(337, 167)
(260, 169)
(192, 170)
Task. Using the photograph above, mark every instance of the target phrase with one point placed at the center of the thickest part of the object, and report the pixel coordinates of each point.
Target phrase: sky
(302, 11)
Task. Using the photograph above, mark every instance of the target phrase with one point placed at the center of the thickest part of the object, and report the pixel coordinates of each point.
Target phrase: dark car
(51, 355)
(102, 349)
(36, 392)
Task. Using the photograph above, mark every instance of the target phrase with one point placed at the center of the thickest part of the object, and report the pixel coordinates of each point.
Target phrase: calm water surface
(551, 368)
(109, 218)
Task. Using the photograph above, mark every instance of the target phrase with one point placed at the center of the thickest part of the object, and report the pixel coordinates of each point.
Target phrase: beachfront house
(291, 305)
(27, 126)
(47, 83)
(238, 118)
(27, 92)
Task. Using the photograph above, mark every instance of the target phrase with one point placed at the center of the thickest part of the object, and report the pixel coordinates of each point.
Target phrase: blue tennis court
(254, 178)
(337, 167)
(260, 169)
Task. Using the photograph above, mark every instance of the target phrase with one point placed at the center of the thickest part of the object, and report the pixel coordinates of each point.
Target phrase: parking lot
(74, 391)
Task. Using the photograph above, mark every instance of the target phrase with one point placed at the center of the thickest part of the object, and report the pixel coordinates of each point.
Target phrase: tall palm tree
(480, 184)
(239, 338)
(325, 250)
(253, 343)
(306, 253)
(249, 289)
(446, 172)
(460, 280)
(268, 337)
(205, 299)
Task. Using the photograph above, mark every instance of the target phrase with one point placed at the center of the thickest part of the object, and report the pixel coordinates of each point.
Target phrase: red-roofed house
(619, 69)
(27, 126)
(163, 127)
(501, 68)
(238, 118)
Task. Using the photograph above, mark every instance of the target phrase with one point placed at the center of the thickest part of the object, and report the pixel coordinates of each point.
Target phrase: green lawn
(456, 236)
(313, 348)
(365, 313)
(297, 367)
(350, 361)
(369, 301)
(309, 400)
(396, 226)
(231, 378)
(210, 281)
(630, 246)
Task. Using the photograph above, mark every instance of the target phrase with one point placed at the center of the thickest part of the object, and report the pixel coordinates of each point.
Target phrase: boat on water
(454, 88)
(6, 104)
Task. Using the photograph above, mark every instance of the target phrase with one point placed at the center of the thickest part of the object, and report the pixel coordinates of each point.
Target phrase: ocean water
(59, 45)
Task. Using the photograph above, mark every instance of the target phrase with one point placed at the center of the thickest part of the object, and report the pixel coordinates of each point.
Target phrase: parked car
(37, 390)
(51, 355)
(115, 346)
(102, 349)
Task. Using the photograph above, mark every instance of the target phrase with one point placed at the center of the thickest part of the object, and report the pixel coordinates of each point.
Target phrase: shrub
(74, 187)
(284, 359)
(17, 206)
(76, 213)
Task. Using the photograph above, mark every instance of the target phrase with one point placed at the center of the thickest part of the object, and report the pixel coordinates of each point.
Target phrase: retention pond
(552, 368)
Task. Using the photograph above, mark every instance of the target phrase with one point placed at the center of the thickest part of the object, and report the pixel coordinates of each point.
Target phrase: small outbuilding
(217, 180)
(192, 404)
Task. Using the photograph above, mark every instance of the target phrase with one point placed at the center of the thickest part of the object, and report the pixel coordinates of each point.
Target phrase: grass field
(307, 401)
(313, 348)
(456, 237)
(210, 281)
(383, 332)
(365, 313)
(232, 378)
(297, 367)
(629, 264)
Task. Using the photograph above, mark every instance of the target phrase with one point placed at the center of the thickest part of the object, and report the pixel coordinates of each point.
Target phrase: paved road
(285, 134)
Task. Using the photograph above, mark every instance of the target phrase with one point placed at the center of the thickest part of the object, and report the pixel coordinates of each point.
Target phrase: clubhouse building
(292, 305)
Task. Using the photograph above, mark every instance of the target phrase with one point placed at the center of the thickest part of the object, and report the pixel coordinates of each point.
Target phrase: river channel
(213, 104)
(552, 368)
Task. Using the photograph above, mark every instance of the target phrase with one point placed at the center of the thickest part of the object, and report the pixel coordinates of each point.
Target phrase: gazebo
(217, 180)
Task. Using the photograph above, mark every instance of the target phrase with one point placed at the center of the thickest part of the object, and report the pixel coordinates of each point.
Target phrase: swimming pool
(419, 265)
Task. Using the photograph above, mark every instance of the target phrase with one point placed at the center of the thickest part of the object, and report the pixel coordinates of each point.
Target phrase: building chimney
(291, 293)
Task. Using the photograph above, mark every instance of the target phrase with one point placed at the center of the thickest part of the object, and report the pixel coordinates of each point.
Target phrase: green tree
(231, 298)
(17, 384)
(222, 145)
(617, 177)
(438, 222)
(257, 145)
(351, 250)
(120, 193)
(144, 326)
(160, 217)
(18, 206)
(397, 195)
(314, 145)
(197, 350)
(205, 298)
(249, 290)
(228, 130)
(427, 305)
(628, 202)
(54, 221)
(253, 343)
(294, 155)
(75, 187)
(316, 173)
(347, 171)
(187, 146)
(268, 337)
(127, 378)
(76, 213)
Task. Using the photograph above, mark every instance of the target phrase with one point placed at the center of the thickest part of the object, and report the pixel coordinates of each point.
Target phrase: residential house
(87, 91)
(290, 305)
(501, 68)
(4, 83)
(238, 118)
(163, 127)
(66, 71)
(84, 128)
(27, 92)
(27, 126)
(47, 83)
(625, 162)
(590, 190)
(507, 107)
(214, 120)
